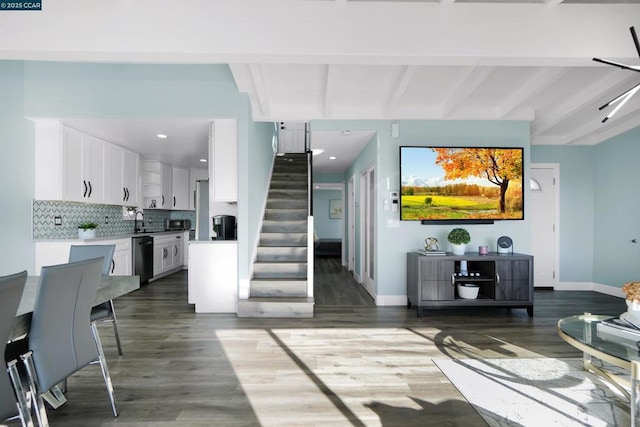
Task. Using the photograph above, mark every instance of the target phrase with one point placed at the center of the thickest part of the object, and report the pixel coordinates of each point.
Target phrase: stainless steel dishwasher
(143, 257)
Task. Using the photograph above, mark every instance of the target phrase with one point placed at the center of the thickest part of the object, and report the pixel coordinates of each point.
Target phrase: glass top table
(582, 333)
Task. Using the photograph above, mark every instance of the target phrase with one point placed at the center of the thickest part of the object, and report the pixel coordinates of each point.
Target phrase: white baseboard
(391, 300)
(590, 286)
(356, 277)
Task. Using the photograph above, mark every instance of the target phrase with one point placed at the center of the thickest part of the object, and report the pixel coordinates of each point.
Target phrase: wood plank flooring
(353, 364)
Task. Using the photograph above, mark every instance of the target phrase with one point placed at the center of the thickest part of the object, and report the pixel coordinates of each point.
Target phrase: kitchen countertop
(114, 237)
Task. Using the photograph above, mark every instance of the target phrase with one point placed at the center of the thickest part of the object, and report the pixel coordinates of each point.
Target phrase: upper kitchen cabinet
(157, 185)
(83, 158)
(180, 188)
(74, 166)
(223, 161)
(123, 168)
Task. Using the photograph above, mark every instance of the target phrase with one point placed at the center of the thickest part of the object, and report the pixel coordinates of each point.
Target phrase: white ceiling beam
(261, 89)
(591, 96)
(594, 131)
(415, 33)
(329, 90)
(541, 80)
(467, 85)
(400, 88)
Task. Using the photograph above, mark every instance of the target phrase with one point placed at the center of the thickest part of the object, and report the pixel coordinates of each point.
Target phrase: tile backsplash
(72, 214)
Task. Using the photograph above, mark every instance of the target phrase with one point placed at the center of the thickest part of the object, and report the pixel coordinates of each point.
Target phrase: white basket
(467, 290)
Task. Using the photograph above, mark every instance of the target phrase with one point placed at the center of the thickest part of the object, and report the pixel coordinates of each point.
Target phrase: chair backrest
(11, 288)
(83, 252)
(60, 333)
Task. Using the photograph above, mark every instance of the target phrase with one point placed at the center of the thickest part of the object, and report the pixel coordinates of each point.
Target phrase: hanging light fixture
(624, 97)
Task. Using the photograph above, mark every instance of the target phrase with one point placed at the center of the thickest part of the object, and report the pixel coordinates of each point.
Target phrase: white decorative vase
(89, 233)
(458, 249)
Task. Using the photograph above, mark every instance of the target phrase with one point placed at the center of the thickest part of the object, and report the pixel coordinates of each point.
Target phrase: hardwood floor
(352, 364)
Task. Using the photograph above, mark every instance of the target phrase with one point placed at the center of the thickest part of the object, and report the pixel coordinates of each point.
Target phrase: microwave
(177, 224)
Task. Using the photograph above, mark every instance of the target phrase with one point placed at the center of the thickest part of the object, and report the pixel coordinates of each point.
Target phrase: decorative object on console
(87, 230)
(483, 250)
(624, 97)
(431, 244)
(505, 245)
(459, 237)
(468, 290)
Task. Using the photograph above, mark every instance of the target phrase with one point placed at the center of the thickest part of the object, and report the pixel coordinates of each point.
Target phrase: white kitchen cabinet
(156, 185)
(123, 173)
(167, 254)
(131, 179)
(223, 161)
(54, 253)
(180, 188)
(74, 166)
(83, 167)
(213, 276)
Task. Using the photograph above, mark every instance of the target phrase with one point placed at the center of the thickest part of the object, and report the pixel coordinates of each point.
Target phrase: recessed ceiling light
(345, 132)
(332, 157)
(203, 160)
(161, 136)
(317, 151)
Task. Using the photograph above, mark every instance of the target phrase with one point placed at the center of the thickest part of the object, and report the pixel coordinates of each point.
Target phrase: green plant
(89, 225)
(459, 236)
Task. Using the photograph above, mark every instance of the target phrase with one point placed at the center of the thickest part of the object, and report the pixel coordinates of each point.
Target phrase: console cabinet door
(512, 280)
(435, 280)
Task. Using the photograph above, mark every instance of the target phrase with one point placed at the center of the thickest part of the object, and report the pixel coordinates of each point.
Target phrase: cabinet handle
(113, 266)
(85, 189)
(175, 253)
(90, 189)
(453, 279)
(174, 201)
(124, 194)
(163, 200)
(127, 190)
(497, 278)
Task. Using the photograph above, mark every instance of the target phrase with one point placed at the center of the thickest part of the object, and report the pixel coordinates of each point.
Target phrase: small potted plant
(87, 230)
(459, 237)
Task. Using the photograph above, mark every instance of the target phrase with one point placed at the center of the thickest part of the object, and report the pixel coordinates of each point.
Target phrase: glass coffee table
(582, 333)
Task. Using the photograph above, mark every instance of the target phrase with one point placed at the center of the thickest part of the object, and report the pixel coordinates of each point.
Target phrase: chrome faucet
(137, 229)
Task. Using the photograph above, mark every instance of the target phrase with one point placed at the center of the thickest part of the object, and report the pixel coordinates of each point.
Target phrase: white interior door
(544, 205)
(367, 235)
(351, 226)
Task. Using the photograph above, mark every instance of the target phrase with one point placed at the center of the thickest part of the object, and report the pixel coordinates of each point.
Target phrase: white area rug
(536, 392)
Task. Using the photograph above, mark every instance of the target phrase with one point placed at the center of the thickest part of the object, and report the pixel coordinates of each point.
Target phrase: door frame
(556, 241)
(365, 227)
(351, 225)
(335, 186)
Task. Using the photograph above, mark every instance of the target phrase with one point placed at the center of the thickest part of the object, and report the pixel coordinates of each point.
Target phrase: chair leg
(115, 327)
(34, 385)
(23, 406)
(105, 369)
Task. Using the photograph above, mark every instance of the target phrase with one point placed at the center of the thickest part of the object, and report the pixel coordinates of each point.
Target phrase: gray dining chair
(13, 400)
(62, 339)
(104, 312)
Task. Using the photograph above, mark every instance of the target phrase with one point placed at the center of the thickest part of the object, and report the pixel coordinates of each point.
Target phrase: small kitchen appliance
(224, 227)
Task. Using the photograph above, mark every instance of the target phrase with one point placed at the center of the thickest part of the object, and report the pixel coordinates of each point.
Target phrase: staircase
(279, 284)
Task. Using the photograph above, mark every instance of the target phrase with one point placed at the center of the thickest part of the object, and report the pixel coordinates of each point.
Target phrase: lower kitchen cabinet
(53, 253)
(168, 254)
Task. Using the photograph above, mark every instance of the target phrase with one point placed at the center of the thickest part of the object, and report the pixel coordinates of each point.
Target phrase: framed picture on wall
(335, 209)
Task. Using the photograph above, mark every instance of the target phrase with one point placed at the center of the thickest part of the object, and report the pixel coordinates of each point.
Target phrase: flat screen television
(461, 184)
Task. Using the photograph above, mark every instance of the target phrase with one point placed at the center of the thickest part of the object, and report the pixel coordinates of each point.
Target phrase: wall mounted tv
(461, 184)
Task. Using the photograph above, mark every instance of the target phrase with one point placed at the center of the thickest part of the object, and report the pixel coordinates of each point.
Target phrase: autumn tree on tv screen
(461, 183)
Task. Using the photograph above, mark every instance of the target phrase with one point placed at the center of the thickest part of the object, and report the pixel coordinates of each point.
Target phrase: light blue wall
(393, 243)
(16, 172)
(73, 90)
(325, 227)
(577, 201)
(254, 176)
(617, 210)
